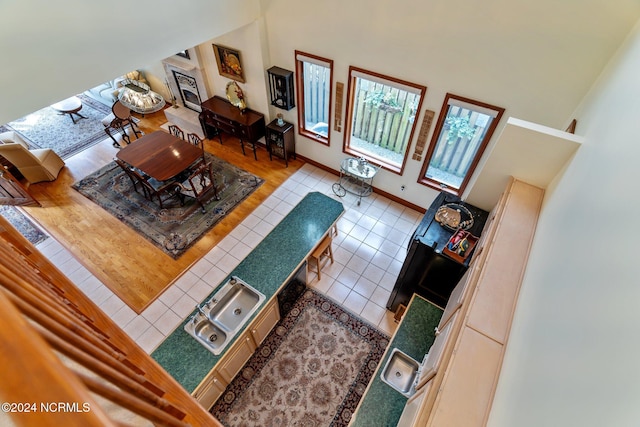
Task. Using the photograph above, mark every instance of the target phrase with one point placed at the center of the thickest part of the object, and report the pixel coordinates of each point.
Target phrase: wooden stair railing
(33, 375)
(44, 317)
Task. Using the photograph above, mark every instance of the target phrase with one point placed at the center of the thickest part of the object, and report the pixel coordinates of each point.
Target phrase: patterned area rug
(23, 224)
(312, 370)
(46, 128)
(175, 228)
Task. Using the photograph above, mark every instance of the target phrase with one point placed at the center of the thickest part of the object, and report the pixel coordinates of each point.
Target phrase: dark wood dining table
(160, 155)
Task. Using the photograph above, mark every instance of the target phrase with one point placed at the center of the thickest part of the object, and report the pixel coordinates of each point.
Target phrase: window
(463, 130)
(314, 79)
(381, 114)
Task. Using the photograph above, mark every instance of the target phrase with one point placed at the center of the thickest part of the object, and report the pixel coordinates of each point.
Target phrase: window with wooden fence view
(381, 118)
(463, 130)
(314, 79)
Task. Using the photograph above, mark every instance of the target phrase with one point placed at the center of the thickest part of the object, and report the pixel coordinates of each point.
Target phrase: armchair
(35, 165)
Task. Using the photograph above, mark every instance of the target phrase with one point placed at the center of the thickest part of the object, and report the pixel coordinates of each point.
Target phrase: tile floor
(368, 254)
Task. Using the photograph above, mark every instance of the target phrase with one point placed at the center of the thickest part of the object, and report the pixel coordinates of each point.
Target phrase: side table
(70, 106)
(280, 141)
(356, 177)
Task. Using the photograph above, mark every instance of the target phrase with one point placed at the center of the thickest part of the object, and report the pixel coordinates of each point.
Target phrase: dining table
(160, 155)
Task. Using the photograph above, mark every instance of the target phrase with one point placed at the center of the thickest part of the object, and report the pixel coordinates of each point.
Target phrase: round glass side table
(356, 177)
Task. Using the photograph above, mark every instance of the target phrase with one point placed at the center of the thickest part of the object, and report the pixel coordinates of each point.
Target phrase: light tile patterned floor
(368, 254)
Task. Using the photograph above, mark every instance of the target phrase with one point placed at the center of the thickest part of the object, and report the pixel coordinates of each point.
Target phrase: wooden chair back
(199, 183)
(120, 119)
(161, 191)
(134, 177)
(194, 139)
(176, 131)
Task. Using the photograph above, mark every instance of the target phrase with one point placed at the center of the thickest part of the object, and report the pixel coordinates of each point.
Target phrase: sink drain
(398, 374)
(213, 337)
(237, 311)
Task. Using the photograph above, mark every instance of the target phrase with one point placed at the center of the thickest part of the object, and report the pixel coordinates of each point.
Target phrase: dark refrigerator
(428, 271)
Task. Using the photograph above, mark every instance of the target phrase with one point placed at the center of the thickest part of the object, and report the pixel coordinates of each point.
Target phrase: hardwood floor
(129, 265)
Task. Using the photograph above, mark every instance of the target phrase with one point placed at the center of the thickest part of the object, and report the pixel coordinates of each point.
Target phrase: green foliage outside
(381, 100)
(459, 128)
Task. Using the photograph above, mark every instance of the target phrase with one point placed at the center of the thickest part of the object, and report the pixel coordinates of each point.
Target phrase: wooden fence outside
(383, 115)
(316, 93)
(454, 154)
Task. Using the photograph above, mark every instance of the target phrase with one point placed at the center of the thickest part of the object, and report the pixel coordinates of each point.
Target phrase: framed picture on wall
(229, 64)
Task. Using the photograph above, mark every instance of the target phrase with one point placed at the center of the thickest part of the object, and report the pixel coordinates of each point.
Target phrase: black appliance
(294, 288)
(426, 270)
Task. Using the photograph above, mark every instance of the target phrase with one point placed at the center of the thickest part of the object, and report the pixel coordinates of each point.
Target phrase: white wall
(526, 151)
(578, 304)
(249, 42)
(573, 356)
(54, 49)
(537, 59)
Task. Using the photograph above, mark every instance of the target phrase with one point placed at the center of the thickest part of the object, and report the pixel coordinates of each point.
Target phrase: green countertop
(266, 268)
(381, 406)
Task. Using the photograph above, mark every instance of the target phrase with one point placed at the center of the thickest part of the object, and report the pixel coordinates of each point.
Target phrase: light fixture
(139, 97)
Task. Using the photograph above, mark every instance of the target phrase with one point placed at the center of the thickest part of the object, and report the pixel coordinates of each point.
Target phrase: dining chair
(128, 169)
(197, 141)
(199, 183)
(118, 120)
(154, 189)
(176, 131)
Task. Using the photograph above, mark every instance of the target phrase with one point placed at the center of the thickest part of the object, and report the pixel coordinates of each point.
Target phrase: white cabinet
(440, 345)
(210, 390)
(467, 390)
(235, 358)
(264, 322)
(412, 408)
(467, 354)
(247, 342)
(215, 383)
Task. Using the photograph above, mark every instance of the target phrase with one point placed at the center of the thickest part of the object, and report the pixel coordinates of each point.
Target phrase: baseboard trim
(375, 190)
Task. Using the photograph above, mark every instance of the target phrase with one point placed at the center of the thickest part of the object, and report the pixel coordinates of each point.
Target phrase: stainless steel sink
(233, 305)
(400, 372)
(208, 334)
(220, 318)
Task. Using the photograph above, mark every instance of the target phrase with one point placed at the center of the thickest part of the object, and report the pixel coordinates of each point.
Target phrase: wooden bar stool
(321, 254)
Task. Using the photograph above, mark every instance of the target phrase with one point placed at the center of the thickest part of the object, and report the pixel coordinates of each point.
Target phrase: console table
(218, 115)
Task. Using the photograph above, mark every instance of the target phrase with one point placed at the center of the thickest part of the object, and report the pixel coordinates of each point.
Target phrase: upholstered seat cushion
(12, 136)
(198, 183)
(108, 119)
(35, 165)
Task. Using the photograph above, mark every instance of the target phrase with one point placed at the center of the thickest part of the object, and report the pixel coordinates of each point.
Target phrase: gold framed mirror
(236, 96)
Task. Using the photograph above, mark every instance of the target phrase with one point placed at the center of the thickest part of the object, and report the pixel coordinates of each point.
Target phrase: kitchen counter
(381, 406)
(266, 268)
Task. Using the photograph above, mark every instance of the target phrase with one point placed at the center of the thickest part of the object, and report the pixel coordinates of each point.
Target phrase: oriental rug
(47, 128)
(312, 370)
(177, 227)
(23, 224)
